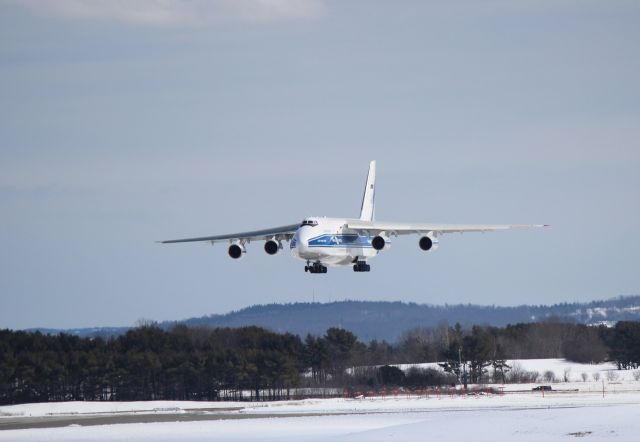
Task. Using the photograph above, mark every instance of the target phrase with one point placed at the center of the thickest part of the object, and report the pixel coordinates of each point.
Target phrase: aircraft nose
(300, 245)
(303, 237)
(302, 241)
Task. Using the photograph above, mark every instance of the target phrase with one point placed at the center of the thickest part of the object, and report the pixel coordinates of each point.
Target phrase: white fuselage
(328, 241)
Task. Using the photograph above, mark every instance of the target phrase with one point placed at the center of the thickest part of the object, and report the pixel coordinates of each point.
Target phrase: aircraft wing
(391, 228)
(277, 233)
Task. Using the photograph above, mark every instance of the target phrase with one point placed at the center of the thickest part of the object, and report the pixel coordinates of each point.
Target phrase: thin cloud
(175, 12)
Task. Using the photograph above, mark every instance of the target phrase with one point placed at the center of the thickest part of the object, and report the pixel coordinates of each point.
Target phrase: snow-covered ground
(597, 421)
(75, 408)
(584, 377)
(606, 371)
(560, 367)
(575, 409)
(389, 404)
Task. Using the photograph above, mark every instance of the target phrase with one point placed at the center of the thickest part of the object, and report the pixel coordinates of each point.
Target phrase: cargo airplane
(323, 242)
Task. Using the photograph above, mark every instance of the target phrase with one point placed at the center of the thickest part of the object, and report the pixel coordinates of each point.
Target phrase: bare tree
(612, 376)
(518, 375)
(549, 376)
(146, 323)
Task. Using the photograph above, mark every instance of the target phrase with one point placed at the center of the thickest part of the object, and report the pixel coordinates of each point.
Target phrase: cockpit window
(309, 222)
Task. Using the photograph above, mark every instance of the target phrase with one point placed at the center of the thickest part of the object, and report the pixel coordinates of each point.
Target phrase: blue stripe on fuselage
(344, 240)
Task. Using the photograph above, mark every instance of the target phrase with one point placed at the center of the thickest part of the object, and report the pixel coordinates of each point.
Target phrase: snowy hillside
(388, 320)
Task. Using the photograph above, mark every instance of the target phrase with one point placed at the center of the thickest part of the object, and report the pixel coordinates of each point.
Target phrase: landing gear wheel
(361, 266)
(316, 267)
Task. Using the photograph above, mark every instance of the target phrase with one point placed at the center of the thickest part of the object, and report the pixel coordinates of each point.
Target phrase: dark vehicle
(542, 388)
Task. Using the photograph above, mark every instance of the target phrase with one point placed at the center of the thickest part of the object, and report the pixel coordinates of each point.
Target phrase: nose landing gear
(316, 267)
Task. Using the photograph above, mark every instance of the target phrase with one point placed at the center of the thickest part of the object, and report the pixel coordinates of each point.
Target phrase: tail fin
(369, 198)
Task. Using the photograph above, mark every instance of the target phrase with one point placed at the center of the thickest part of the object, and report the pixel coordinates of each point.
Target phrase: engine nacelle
(271, 247)
(429, 242)
(236, 251)
(378, 243)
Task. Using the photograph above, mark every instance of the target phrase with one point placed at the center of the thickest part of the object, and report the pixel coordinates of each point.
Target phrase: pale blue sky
(121, 125)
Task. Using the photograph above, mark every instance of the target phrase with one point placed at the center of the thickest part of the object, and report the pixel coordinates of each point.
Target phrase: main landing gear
(316, 267)
(361, 266)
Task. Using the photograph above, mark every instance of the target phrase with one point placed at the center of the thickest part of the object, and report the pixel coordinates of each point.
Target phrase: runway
(24, 423)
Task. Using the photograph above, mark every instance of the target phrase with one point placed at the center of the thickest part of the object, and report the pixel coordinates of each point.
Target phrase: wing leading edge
(278, 233)
(376, 227)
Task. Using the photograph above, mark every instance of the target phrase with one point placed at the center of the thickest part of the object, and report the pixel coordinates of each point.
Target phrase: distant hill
(388, 320)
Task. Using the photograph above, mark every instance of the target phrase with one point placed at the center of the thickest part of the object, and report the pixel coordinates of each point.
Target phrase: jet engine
(378, 243)
(235, 251)
(271, 247)
(429, 242)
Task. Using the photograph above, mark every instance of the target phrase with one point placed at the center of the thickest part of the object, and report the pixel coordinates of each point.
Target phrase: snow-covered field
(560, 368)
(593, 423)
(576, 409)
(484, 419)
(75, 408)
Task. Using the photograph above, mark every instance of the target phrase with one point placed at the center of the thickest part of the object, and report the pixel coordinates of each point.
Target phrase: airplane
(323, 241)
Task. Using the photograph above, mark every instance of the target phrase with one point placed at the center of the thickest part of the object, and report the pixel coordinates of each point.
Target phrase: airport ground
(532, 415)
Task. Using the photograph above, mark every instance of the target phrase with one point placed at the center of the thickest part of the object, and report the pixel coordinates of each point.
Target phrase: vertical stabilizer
(369, 197)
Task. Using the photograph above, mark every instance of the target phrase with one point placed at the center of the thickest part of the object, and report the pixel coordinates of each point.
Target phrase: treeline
(249, 363)
(147, 363)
